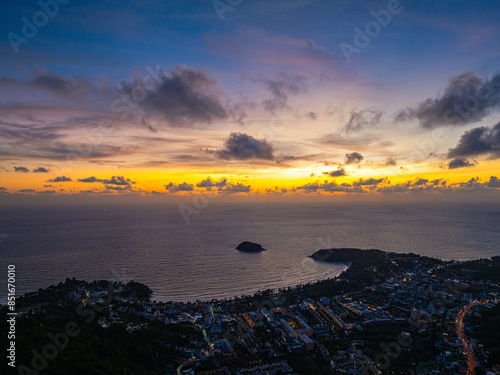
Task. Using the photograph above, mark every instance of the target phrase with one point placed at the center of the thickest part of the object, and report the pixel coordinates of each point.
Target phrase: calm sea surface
(154, 245)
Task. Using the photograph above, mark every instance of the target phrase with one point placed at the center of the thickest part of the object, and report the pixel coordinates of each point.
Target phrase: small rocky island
(250, 247)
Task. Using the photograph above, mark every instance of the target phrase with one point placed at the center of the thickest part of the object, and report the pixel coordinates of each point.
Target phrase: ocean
(181, 262)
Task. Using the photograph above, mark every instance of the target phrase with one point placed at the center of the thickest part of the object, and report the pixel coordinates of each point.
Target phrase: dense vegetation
(93, 349)
(358, 258)
(484, 269)
(488, 333)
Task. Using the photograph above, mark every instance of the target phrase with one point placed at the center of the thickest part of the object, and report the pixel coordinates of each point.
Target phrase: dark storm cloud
(478, 141)
(114, 180)
(175, 188)
(468, 98)
(353, 157)
(338, 173)
(240, 146)
(279, 89)
(60, 179)
(41, 170)
(459, 163)
(185, 97)
(21, 169)
(362, 119)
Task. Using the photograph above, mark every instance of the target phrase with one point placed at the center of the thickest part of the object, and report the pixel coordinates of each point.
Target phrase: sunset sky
(250, 98)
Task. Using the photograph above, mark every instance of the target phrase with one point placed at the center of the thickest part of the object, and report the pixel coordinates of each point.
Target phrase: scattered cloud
(209, 184)
(420, 182)
(337, 173)
(279, 89)
(60, 179)
(370, 182)
(114, 180)
(235, 188)
(21, 169)
(383, 186)
(390, 161)
(46, 192)
(41, 170)
(64, 87)
(311, 115)
(185, 97)
(330, 187)
(478, 141)
(494, 182)
(175, 188)
(222, 186)
(26, 191)
(362, 119)
(460, 163)
(353, 158)
(468, 98)
(241, 146)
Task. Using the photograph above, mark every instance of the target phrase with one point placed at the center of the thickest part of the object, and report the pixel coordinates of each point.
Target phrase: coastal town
(388, 314)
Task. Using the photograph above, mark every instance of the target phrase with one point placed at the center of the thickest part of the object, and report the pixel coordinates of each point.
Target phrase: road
(471, 359)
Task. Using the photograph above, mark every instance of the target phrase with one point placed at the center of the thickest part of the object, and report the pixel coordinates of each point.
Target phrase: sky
(295, 99)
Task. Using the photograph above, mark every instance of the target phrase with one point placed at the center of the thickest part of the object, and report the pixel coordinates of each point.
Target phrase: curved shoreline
(192, 299)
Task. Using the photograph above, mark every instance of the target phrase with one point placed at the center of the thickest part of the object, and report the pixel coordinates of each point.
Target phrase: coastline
(274, 289)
